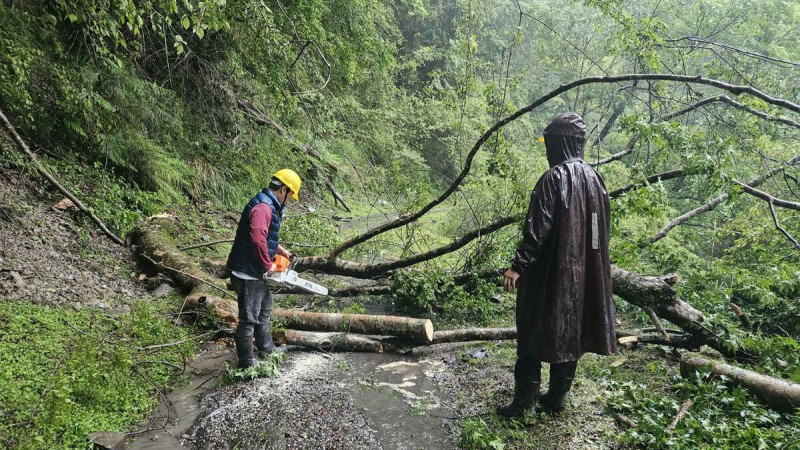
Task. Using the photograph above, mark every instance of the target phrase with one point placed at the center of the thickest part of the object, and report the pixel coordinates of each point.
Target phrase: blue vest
(243, 256)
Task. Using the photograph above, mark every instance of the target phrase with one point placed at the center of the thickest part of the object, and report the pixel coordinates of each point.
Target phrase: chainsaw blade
(290, 279)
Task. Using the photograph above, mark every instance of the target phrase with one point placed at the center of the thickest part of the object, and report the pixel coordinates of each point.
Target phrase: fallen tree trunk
(776, 393)
(656, 293)
(474, 334)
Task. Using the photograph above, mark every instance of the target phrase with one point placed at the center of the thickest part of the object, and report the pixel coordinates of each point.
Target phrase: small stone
(480, 354)
(119, 310)
(17, 278)
(163, 290)
(64, 205)
(107, 440)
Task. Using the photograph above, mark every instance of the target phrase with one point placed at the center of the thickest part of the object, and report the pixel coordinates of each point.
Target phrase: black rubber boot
(527, 377)
(264, 354)
(554, 401)
(244, 349)
(524, 400)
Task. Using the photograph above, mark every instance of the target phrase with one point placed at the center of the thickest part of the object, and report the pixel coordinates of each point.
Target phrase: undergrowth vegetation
(66, 373)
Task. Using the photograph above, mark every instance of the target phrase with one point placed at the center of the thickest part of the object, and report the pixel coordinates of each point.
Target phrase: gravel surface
(46, 257)
(302, 409)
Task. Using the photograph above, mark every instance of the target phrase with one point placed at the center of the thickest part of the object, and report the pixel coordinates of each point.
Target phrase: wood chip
(619, 362)
(628, 339)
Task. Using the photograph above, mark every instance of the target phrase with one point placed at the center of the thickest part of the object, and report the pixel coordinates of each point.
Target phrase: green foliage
(269, 368)
(720, 417)
(476, 435)
(66, 373)
(434, 294)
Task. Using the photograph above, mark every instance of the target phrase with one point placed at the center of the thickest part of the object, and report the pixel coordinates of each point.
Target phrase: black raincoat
(564, 304)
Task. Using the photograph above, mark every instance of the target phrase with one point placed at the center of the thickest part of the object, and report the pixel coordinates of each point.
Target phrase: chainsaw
(285, 276)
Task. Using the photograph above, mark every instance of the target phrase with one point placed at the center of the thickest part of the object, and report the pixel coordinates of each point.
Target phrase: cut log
(330, 342)
(206, 299)
(776, 393)
(416, 330)
(474, 334)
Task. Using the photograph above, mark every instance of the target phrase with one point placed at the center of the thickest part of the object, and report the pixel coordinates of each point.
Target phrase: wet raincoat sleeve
(539, 221)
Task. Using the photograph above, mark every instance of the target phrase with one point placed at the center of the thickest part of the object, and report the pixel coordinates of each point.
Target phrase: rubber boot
(244, 350)
(264, 343)
(554, 401)
(527, 377)
(264, 354)
(525, 394)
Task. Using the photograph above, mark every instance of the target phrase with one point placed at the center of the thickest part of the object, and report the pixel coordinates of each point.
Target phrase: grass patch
(66, 373)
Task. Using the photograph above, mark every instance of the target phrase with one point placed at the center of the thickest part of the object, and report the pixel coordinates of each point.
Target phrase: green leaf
(72, 17)
(49, 18)
(185, 22)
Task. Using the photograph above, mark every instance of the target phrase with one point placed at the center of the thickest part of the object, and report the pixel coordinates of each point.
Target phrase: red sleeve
(260, 218)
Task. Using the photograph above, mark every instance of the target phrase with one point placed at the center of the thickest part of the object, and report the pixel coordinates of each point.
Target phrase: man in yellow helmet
(251, 258)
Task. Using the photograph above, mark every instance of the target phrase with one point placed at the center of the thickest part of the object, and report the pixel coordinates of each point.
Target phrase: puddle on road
(399, 396)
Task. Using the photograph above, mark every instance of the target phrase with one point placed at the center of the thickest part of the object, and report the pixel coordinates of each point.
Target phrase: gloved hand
(271, 269)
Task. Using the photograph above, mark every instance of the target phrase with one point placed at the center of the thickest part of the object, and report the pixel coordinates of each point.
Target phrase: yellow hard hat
(291, 179)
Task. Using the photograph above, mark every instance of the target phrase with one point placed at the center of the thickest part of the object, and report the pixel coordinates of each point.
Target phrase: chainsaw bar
(290, 279)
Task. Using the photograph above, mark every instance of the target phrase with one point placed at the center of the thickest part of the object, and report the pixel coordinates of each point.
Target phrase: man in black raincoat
(564, 304)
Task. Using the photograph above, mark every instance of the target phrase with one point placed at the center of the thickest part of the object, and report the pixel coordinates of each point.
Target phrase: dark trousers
(528, 370)
(255, 308)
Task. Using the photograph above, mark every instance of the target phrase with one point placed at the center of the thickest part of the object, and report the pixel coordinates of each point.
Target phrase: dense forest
(415, 126)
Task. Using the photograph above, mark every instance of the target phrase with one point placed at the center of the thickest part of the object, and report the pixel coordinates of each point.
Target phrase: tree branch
(46, 173)
(410, 217)
(735, 104)
(779, 227)
(716, 201)
(663, 176)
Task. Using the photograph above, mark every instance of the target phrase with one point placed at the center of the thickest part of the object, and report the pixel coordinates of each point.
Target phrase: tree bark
(414, 330)
(330, 342)
(776, 393)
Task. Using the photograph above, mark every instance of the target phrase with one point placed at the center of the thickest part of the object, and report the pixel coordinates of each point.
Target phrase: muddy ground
(369, 401)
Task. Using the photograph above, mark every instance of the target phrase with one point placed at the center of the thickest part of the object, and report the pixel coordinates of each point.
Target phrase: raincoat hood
(565, 138)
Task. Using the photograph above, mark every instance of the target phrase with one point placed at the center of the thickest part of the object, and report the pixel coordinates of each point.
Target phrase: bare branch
(767, 197)
(735, 104)
(410, 217)
(696, 39)
(779, 227)
(663, 176)
(716, 201)
(619, 155)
